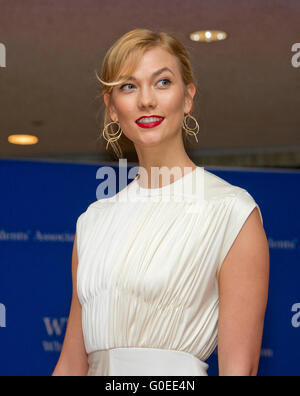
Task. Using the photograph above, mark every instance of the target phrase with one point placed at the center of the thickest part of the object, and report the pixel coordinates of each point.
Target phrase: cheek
(126, 108)
(173, 102)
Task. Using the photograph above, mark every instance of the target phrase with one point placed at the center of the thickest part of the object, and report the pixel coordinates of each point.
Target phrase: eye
(165, 80)
(122, 88)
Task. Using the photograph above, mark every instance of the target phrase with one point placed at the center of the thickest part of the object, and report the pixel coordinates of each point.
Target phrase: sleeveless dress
(147, 279)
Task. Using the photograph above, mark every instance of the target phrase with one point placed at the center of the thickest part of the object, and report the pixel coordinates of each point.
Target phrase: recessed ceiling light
(208, 36)
(23, 140)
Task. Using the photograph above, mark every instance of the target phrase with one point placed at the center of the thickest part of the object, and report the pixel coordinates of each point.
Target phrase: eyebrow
(158, 72)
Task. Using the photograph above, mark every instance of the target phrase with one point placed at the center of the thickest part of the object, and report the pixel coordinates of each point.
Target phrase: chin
(152, 139)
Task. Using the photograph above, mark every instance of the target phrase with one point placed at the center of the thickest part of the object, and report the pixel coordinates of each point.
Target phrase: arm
(243, 294)
(73, 359)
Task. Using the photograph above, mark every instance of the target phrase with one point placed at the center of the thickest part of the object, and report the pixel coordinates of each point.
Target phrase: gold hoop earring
(111, 137)
(191, 131)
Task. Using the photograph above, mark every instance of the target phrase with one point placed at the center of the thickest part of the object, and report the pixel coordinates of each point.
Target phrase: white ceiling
(249, 96)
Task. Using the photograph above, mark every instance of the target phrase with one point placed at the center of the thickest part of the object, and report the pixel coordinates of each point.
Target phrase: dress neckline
(176, 186)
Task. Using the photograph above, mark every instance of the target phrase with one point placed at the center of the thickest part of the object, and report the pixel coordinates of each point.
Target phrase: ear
(110, 107)
(189, 97)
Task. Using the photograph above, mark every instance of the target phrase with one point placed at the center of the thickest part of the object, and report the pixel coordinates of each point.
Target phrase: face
(150, 92)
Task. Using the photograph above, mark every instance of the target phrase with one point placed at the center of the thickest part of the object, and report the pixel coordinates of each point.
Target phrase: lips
(151, 124)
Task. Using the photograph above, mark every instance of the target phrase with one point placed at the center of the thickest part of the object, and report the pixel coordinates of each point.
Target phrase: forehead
(152, 60)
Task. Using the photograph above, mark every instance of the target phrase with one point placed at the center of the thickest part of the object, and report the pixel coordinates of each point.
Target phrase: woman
(159, 283)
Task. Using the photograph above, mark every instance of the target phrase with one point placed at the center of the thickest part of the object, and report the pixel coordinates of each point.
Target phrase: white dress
(147, 280)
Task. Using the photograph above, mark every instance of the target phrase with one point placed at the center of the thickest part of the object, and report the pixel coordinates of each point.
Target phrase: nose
(146, 98)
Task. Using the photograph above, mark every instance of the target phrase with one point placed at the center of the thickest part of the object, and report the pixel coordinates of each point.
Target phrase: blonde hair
(130, 48)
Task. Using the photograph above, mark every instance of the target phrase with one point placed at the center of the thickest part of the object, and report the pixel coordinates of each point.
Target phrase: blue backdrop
(40, 203)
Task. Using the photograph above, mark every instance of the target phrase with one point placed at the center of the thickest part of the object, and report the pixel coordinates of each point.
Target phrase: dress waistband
(144, 361)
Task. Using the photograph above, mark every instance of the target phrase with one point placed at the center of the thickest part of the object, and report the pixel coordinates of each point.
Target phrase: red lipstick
(149, 124)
